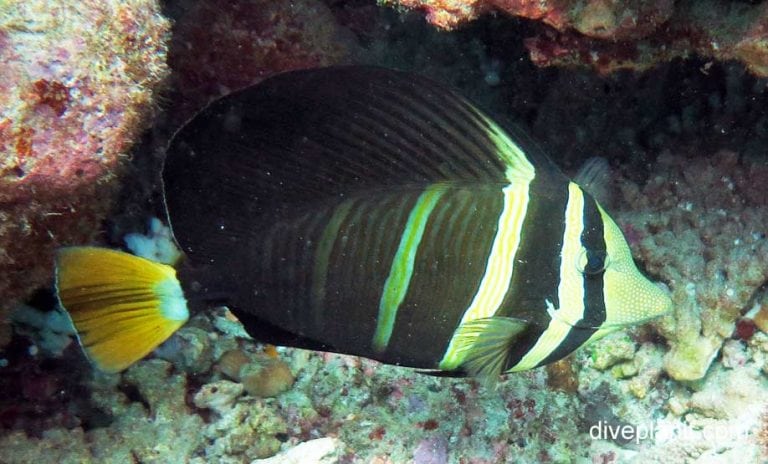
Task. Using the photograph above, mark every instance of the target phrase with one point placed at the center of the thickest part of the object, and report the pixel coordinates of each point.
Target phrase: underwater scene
(383, 231)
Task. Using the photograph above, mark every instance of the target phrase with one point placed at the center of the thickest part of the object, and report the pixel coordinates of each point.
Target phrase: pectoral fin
(487, 343)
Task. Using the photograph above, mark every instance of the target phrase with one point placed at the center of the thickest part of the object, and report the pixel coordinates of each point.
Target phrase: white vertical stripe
(499, 268)
(570, 291)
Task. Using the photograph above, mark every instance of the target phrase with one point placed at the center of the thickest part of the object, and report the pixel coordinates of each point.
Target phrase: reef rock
(608, 35)
(318, 451)
(76, 87)
(219, 47)
(699, 224)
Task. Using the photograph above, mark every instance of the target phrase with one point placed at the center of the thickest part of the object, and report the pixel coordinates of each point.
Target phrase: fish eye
(592, 262)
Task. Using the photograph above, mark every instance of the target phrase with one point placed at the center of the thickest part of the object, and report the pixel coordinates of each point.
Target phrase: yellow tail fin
(121, 305)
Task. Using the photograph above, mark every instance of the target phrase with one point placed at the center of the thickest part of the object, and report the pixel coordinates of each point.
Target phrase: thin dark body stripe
(537, 269)
(444, 128)
(474, 137)
(288, 251)
(593, 240)
(402, 138)
(449, 267)
(285, 268)
(305, 250)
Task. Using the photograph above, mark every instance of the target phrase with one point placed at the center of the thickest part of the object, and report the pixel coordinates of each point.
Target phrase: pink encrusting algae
(219, 47)
(77, 86)
(610, 35)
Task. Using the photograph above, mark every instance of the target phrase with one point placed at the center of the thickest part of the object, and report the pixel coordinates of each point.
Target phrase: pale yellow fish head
(630, 298)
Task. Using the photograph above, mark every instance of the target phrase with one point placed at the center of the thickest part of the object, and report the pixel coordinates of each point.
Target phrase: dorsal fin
(319, 135)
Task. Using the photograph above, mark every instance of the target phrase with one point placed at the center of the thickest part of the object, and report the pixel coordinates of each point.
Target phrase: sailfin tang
(487, 343)
(122, 306)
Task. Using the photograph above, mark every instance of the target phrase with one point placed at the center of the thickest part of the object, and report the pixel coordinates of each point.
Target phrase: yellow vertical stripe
(519, 169)
(399, 279)
(499, 268)
(570, 291)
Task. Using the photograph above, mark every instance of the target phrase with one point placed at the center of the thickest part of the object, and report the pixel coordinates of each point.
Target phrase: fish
(370, 212)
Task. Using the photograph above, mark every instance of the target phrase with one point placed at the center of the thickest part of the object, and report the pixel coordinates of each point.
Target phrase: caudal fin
(122, 306)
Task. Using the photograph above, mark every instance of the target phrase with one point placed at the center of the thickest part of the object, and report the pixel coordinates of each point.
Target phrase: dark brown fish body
(376, 213)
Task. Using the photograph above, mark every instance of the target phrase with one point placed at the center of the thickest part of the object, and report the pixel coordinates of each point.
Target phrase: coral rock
(432, 450)
(561, 376)
(76, 87)
(160, 389)
(648, 369)
(261, 376)
(690, 359)
(231, 362)
(699, 224)
(219, 396)
(608, 35)
(319, 451)
(219, 47)
(761, 316)
(612, 350)
(188, 349)
(728, 394)
(266, 379)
